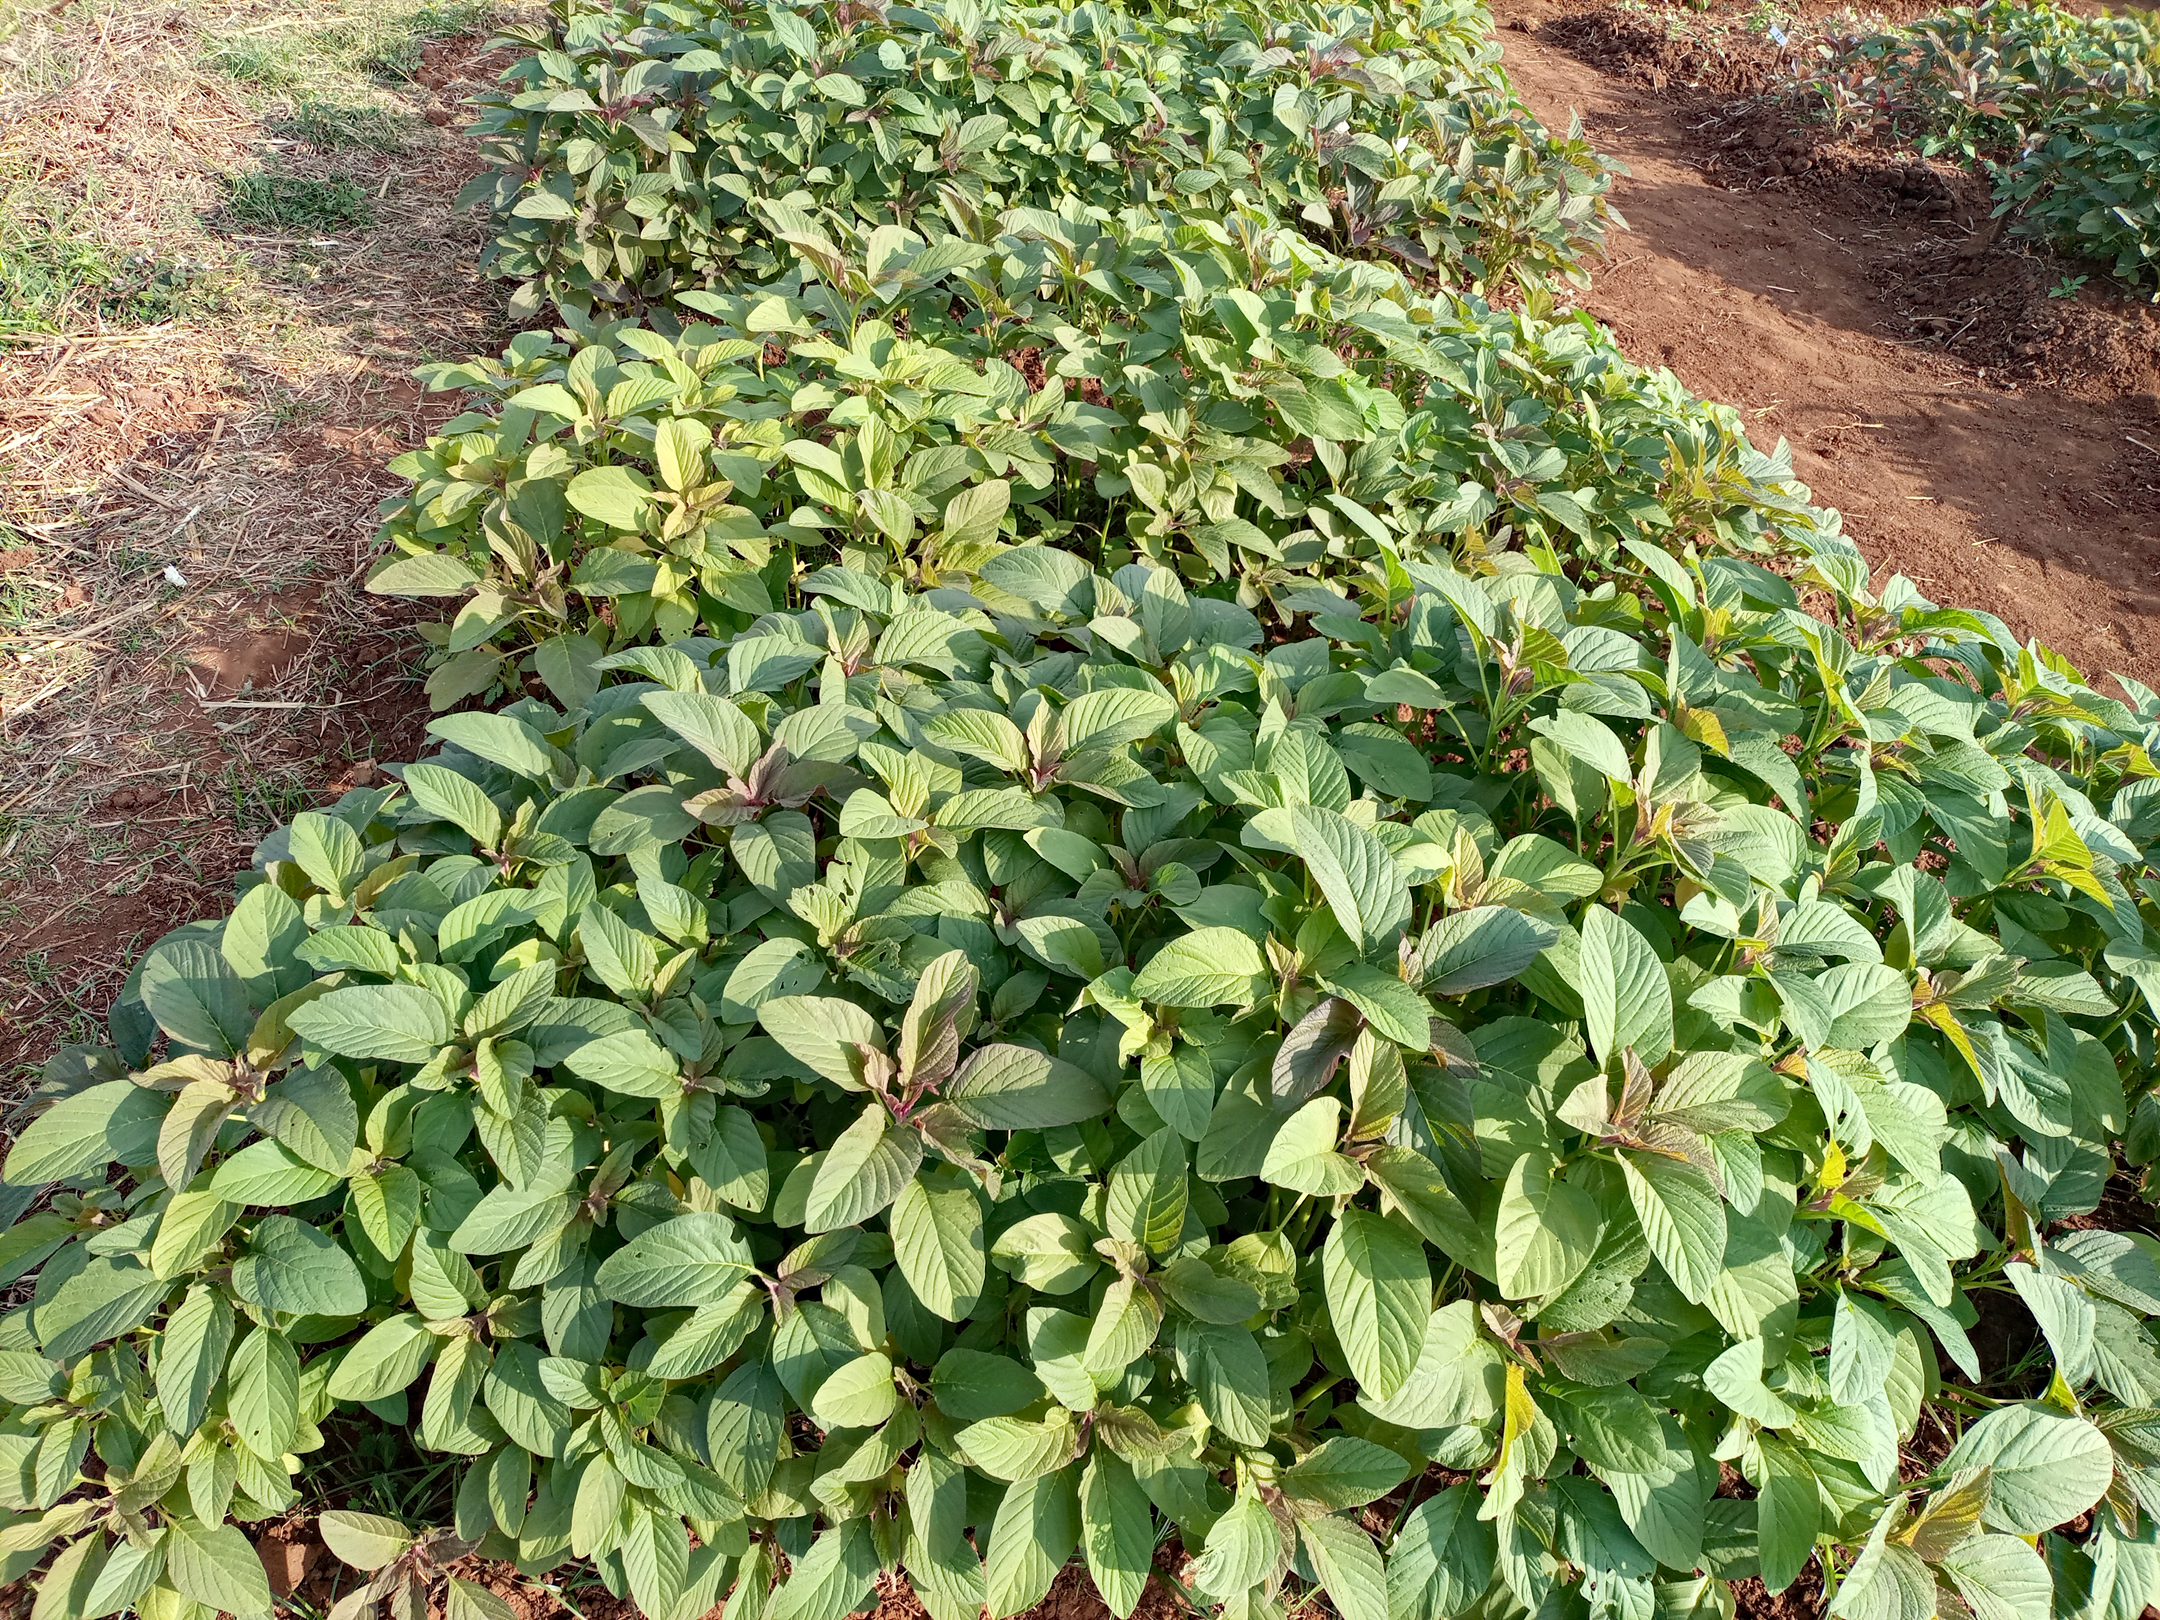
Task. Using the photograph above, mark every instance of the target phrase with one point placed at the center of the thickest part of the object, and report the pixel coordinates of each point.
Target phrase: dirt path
(2034, 503)
(227, 236)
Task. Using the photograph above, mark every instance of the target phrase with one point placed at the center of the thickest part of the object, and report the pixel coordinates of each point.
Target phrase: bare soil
(1999, 446)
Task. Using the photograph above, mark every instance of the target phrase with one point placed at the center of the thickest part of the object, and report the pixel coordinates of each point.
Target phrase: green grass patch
(292, 202)
(261, 64)
(56, 276)
(391, 49)
(333, 126)
(316, 63)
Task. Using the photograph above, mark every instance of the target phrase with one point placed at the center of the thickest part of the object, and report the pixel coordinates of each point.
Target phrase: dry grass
(226, 238)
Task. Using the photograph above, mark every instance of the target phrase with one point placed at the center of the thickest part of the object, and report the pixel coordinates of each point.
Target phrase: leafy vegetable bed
(1129, 879)
(2057, 107)
(632, 165)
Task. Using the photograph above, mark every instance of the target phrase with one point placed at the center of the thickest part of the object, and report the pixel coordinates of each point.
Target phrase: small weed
(20, 602)
(259, 800)
(2068, 286)
(291, 202)
(1771, 19)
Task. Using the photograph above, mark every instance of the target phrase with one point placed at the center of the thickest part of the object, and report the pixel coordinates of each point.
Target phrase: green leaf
(1224, 1365)
(397, 1023)
(1015, 1088)
(971, 1385)
(500, 739)
(105, 1298)
(447, 796)
(940, 1560)
(1205, 968)
(363, 1540)
(616, 496)
(1853, 1006)
(823, 1033)
(1457, 1379)
(596, 1515)
(1302, 1156)
(631, 1063)
(858, 1394)
(293, 1267)
(937, 1237)
(1478, 947)
(1720, 1091)
(1180, 1087)
(710, 1334)
(432, 573)
(1863, 1343)
(1047, 578)
(1588, 739)
(1611, 1427)
(1416, 1188)
(1145, 1200)
(312, 1112)
(215, 1565)
(1197, 1288)
(1348, 1565)
(1243, 1548)
(260, 937)
(656, 1558)
(731, 1161)
(196, 998)
(1442, 1557)
(1345, 1472)
(191, 1358)
(778, 854)
(863, 1171)
(1379, 1294)
(1011, 1449)
(1626, 999)
(192, 1222)
(269, 1175)
(391, 1354)
(1392, 1007)
(467, 1600)
(2001, 1577)
(712, 725)
(1050, 1253)
(1682, 1216)
(1036, 1530)
(1736, 1378)
(1547, 1233)
(1112, 716)
(2049, 1466)
(113, 1123)
(266, 1392)
(1363, 885)
(1117, 1530)
(1124, 1328)
(1888, 1581)
(693, 1259)
(1788, 1509)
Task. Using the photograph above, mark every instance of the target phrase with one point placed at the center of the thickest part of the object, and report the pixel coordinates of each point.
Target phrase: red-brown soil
(1998, 446)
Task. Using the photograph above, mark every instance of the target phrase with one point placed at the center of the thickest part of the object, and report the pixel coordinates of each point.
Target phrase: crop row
(1130, 879)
